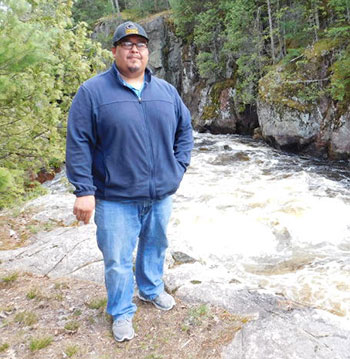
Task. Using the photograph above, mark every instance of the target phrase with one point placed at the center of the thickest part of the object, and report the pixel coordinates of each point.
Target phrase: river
(266, 219)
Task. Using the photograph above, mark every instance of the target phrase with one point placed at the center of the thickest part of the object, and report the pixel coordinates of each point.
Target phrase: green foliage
(185, 14)
(10, 278)
(298, 83)
(340, 79)
(40, 343)
(208, 36)
(33, 293)
(206, 64)
(5, 179)
(244, 39)
(145, 7)
(197, 312)
(43, 60)
(340, 28)
(18, 187)
(97, 303)
(90, 11)
(26, 318)
(72, 326)
(4, 347)
(71, 350)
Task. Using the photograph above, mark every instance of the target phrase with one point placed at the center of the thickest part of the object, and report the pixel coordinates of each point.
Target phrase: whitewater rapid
(266, 219)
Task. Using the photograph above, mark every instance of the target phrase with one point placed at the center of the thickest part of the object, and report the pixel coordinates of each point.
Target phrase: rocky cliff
(292, 112)
(213, 105)
(296, 110)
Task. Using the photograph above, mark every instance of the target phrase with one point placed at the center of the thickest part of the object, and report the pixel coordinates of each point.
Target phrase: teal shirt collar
(137, 91)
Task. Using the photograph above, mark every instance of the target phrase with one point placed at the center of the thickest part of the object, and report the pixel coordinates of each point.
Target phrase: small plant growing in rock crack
(26, 318)
(77, 312)
(4, 347)
(154, 356)
(199, 311)
(71, 350)
(98, 303)
(39, 343)
(195, 315)
(33, 293)
(10, 278)
(61, 285)
(72, 326)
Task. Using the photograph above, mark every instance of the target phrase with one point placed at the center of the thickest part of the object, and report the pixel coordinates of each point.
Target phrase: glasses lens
(141, 45)
(128, 45)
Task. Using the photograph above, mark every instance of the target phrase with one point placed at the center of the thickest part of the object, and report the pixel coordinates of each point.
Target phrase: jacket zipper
(152, 181)
(150, 148)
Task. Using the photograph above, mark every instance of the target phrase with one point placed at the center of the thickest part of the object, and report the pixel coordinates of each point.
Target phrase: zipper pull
(139, 99)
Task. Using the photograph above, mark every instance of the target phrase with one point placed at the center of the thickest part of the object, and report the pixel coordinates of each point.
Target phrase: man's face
(131, 62)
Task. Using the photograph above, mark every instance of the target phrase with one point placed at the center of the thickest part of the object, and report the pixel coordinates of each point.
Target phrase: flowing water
(267, 219)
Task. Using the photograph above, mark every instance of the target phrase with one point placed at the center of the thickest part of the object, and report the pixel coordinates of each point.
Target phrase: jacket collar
(148, 74)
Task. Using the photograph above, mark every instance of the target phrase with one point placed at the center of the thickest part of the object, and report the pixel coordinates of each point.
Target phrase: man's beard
(134, 68)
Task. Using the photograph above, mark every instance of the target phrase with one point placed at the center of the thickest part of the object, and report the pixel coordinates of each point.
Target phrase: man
(129, 142)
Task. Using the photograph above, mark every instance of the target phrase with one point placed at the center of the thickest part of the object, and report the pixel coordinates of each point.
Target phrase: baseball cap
(128, 28)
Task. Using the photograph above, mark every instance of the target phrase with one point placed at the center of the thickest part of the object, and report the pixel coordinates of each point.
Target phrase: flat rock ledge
(274, 328)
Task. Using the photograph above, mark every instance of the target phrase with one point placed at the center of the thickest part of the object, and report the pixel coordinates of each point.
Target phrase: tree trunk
(271, 31)
(116, 5)
(260, 41)
(112, 3)
(317, 19)
(281, 32)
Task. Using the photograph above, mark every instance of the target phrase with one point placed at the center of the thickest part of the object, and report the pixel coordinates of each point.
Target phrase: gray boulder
(299, 334)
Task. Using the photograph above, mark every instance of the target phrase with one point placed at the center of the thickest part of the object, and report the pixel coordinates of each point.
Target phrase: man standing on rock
(129, 143)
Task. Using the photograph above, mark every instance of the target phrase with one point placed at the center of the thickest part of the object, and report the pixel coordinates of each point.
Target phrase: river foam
(272, 220)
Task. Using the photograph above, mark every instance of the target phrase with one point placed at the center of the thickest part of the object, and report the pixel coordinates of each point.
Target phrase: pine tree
(42, 63)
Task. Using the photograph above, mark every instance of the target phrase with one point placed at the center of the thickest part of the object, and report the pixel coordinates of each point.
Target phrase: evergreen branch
(11, 122)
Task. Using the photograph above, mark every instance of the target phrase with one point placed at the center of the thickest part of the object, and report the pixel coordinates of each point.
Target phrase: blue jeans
(119, 225)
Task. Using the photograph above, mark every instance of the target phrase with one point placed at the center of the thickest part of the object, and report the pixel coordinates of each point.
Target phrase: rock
(181, 258)
(340, 139)
(304, 334)
(156, 31)
(287, 128)
(59, 184)
(299, 114)
(104, 30)
(62, 252)
(315, 132)
(272, 327)
(245, 303)
(216, 109)
(53, 208)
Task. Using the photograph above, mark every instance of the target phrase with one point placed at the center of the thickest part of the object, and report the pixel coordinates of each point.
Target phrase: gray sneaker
(123, 330)
(164, 301)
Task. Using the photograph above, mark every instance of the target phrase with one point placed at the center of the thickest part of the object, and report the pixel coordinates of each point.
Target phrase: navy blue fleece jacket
(120, 146)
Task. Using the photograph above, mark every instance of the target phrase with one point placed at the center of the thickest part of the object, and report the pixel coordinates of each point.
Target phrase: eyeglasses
(128, 45)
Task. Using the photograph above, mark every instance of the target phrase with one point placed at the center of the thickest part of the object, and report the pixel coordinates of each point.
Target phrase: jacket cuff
(84, 193)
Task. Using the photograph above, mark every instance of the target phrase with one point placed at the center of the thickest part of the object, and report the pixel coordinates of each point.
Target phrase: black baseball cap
(128, 28)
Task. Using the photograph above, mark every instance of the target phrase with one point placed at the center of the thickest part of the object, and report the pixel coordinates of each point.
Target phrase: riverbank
(243, 238)
(65, 318)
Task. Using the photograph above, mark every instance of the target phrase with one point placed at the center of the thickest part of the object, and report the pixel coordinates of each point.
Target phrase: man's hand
(83, 208)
